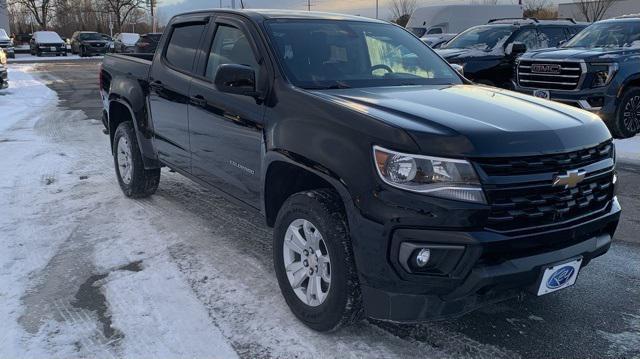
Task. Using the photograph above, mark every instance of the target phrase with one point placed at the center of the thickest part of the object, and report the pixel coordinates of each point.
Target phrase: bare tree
(594, 10)
(401, 10)
(121, 9)
(41, 10)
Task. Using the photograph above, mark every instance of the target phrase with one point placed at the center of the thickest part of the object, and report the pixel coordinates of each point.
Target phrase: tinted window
(90, 36)
(481, 37)
(418, 31)
(551, 36)
(529, 37)
(327, 54)
(436, 30)
(230, 46)
(183, 45)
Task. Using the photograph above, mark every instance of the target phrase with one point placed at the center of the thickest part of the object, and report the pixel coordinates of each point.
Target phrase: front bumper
(492, 267)
(51, 51)
(597, 100)
(90, 50)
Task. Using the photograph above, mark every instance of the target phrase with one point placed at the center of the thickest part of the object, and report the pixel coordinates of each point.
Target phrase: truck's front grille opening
(547, 163)
(527, 204)
(551, 75)
(543, 205)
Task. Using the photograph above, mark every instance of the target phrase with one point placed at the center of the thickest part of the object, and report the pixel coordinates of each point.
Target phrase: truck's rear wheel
(314, 262)
(135, 181)
(627, 121)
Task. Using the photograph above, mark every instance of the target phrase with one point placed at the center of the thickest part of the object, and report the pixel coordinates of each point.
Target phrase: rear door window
(183, 45)
(552, 36)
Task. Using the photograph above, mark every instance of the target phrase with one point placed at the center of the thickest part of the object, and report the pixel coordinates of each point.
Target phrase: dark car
(87, 43)
(598, 70)
(47, 43)
(6, 44)
(488, 52)
(125, 42)
(396, 188)
(148, 43)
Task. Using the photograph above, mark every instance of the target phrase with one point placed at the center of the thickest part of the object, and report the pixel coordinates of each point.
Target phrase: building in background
(4, 16)
(620, 7)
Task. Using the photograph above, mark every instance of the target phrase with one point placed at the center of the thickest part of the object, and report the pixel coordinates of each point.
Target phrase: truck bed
(129, 65)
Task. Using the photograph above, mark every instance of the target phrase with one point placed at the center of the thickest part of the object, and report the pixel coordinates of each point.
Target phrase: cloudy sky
(169, 8)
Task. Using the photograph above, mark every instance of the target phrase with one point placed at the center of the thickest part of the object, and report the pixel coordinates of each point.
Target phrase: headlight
(3, 58)
(603, 74)
(440, 177)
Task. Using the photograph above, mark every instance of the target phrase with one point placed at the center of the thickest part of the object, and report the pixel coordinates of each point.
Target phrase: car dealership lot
(186, 273)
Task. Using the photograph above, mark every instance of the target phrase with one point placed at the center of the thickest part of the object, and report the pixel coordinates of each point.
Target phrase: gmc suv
(396, 188)
(489, 52)
(598, 70)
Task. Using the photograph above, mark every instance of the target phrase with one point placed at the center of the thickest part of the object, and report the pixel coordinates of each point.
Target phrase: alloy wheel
(123, 155)
(631, 115)
(307, 262)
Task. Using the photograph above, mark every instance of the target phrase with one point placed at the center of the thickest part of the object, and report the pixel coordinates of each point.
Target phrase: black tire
(82, 54)
(625, 127)
(343, 303)
(39, 54)
(143, 182)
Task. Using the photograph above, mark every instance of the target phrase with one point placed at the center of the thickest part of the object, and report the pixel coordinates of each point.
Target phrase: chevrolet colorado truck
(598, 70)
(396, 188)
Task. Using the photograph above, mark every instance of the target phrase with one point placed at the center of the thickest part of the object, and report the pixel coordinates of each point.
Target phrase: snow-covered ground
(30, 58)
(628, 149)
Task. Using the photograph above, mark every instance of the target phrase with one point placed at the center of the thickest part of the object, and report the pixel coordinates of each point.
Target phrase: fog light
(423, 257)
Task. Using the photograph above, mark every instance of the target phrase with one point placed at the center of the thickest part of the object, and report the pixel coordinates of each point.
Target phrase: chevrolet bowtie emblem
(569, 180)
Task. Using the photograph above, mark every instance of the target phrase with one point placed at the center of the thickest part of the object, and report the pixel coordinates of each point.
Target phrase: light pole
(377, 1)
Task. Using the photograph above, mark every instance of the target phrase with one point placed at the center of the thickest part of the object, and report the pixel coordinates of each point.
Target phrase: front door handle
(199, 101)
(156, 86)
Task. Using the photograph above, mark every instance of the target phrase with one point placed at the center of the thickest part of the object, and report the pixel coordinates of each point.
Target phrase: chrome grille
(550, 75)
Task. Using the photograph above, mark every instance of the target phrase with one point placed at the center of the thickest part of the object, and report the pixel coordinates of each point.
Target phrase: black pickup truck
(598, 70)
(396, 188)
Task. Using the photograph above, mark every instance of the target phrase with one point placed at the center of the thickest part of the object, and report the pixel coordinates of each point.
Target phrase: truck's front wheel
(135, 181)
(627, 122)
(314, 262)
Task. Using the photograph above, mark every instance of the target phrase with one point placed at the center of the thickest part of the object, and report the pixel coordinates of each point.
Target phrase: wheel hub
(632, 115)
(307, 262)
(123, 157)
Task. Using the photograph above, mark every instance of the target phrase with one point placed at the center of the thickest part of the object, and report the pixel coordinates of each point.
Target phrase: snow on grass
(628, 149)
(30, 58)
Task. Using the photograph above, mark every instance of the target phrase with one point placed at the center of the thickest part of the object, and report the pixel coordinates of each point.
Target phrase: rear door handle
(199, 101)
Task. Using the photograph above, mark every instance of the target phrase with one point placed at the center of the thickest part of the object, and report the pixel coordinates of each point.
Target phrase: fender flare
(144, 137)
(278, 155)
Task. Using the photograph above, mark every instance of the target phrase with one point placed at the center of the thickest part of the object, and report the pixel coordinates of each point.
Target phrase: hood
(463, 54)
(476, 121)
(594, 54)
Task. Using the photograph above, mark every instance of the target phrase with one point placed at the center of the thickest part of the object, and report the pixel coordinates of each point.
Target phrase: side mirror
(236, 79)
(458, 68)
(516, 49)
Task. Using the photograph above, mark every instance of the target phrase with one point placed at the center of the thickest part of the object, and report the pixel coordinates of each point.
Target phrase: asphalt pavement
(598, 317)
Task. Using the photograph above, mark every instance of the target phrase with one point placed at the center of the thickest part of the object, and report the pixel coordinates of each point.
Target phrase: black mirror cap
(236, 79)
(518, 48)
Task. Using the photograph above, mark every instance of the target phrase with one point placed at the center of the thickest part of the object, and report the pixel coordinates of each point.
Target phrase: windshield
(340, 54)
(481, 37)
(3, 35)
(47, 37)
(90, 36)
(608, 34)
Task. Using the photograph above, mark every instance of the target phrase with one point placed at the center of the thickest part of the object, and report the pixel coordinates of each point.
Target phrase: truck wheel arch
(120, 111)
(632, 81)
(287, 173)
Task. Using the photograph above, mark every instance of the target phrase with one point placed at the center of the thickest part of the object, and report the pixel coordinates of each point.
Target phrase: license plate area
(52, 48)
(542, 94)
(559, 276)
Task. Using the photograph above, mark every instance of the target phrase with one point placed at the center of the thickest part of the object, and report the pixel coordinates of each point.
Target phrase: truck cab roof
(265, 14)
